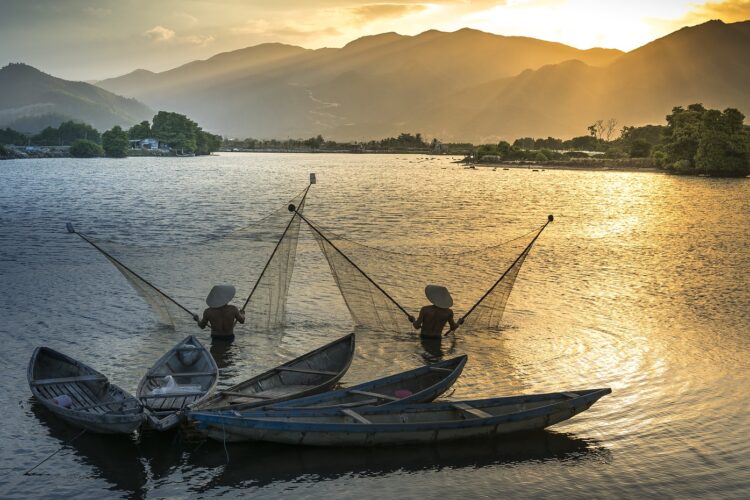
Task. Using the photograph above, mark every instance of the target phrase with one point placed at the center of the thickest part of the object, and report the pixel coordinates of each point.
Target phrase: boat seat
(356, 416)
(374, 395)
(65, 380)
(305, 370)
(471, 410)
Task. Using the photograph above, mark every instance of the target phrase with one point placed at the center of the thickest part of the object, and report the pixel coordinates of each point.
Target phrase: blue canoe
(420, 385)
(400, 424)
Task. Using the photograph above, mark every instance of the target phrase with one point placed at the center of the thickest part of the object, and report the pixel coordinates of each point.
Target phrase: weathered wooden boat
(193, 373)
(80, 395)
(420, 385)
(399, 424)
(314, 372)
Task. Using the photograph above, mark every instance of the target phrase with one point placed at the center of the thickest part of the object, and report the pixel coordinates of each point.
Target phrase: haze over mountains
(462, 86)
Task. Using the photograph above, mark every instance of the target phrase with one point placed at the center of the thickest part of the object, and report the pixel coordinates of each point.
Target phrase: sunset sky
(84, 39)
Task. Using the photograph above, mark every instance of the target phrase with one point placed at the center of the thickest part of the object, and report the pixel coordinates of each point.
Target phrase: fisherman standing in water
(220, 314)
(433, 318)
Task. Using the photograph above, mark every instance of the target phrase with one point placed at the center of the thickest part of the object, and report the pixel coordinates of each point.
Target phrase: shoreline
(565, 166)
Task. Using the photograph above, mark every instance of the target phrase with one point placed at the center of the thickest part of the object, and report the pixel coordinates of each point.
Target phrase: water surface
(641, 284)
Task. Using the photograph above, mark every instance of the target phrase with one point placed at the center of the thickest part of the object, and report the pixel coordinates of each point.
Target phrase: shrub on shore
(115, 142)
(83, 148)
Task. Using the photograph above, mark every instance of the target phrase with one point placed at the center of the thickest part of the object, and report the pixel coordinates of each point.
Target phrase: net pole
(278, 244)
(550, 218)
(292, 208)
(84, 238)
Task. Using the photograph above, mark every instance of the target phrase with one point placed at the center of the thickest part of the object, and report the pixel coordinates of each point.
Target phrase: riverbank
(595, 164)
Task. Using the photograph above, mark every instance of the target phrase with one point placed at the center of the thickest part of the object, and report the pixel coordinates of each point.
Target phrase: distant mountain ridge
(31, 100)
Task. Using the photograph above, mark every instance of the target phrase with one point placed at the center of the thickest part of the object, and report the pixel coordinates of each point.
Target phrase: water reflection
(260, 464)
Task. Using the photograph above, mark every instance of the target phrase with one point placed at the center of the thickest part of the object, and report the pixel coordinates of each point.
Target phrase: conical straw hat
(439, 296)
(220, 295)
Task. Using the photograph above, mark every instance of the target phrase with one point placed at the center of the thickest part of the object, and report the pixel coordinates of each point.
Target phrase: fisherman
(220, 314)
(433, 318)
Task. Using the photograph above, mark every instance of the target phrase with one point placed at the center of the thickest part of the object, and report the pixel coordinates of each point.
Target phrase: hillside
(465, 85)
(363, 88)
(31, 100)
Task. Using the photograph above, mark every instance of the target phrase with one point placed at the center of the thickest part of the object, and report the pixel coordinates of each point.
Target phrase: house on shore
(149, 144)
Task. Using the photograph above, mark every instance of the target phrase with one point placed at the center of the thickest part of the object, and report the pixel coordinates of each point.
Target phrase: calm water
(642, 284)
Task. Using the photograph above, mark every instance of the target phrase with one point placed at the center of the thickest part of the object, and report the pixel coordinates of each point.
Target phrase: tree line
(694, 141)
(176, 131)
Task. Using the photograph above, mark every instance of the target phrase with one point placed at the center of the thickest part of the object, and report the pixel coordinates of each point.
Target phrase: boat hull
(321, 429)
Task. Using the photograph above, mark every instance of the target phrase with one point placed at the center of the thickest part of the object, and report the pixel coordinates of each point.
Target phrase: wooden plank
(473, 411)
(165, 396)
(374, 395)
(571, 395)
(243, 395)
(184, 374)
(109, 403)
(64, 380)
(356, 416)
(305, 370)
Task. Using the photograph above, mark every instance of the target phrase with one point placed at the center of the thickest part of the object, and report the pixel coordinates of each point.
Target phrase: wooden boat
(420, 385)
(314, 372)
(88, 399)
(400, 424)
(189, 364)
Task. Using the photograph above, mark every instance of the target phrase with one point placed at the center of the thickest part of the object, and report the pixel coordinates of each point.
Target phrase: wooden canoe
(188, 363)
(420, 385)
(314, 372)
(400, 424)
(95, 404)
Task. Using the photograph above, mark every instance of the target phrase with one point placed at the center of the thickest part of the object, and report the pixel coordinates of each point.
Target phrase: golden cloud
(376, 11)
(729, 11)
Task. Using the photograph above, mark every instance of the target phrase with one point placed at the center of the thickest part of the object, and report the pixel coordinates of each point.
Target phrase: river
(641, 284)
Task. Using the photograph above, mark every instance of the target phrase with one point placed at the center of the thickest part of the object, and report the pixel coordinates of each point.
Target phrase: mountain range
(31, 100)
(459, 86)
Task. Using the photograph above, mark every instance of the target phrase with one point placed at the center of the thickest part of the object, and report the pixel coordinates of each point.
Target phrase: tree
(705, 141)
(596, 130)
(140, 131)
(640, 148)
(177, 130)
(83, 148)
(609, 128)
(10, 136)
(503, 149)
(71, 131)
(115, 142)
(50, 136)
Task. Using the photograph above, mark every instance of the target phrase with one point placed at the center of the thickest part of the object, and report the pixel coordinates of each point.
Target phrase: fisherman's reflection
(221, 350)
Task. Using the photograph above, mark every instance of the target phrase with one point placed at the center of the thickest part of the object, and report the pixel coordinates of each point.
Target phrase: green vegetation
(83, 148)
(115, 142)
(705, 141)
(10, 136)
(183, 134)
(140, 131)
(3, 152)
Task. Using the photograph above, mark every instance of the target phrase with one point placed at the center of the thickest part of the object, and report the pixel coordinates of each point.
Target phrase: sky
(91, 40)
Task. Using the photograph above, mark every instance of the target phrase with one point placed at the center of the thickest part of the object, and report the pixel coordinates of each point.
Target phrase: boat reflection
(259, 464)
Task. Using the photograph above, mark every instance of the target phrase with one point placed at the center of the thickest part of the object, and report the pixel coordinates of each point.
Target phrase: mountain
(464, 85)
(31, 100)
(359, 90)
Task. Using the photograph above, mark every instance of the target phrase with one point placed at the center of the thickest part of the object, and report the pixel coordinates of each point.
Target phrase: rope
(55, 453)
(388, 296)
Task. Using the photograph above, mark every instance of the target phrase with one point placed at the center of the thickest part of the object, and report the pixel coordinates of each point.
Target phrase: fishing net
(480, 280)
(174, 273)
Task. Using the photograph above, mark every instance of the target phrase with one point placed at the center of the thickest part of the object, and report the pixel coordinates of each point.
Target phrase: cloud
(728, 11)
(159, 34)
(377, 11)
(200, 40)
